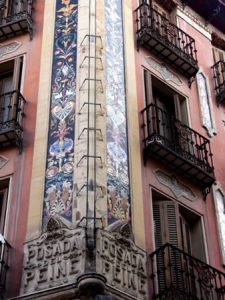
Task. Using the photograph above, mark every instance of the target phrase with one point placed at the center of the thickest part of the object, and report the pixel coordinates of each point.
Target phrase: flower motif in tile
(116, 125)
(60, 155)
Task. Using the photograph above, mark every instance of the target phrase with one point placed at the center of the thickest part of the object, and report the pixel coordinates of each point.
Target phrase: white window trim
(217, 188)
(210, 131)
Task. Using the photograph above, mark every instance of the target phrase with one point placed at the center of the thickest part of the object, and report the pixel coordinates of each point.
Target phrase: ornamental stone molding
(177, 188)
(194, 19)
(163, 70)
(3, 161)
(9, 48)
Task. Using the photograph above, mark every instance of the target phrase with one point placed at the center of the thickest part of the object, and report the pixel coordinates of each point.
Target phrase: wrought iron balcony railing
(178, 275)
(180, 147)
(11, 116)
(165, 39)
(4, 263)
(15, 18)
(219, 77)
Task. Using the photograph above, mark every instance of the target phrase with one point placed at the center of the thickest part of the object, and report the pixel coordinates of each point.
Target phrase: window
(177, 225)
(181, 228)
(219, 73)
(169, 115)
(10, 81)
(165, 98)
(4, 187)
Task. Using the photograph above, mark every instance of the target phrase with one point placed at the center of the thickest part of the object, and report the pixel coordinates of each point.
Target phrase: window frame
(179, 206)
(148, 78)
(5, 187)
(218, 188)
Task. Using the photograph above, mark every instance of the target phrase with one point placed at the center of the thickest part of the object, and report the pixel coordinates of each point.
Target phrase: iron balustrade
(15, 17)
(11, 117)
(179, 146)
(4, 263)
(157, 33)
(219, 78)
(178, 275)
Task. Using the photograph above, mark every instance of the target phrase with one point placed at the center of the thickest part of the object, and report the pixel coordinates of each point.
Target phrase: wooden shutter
(166, 218)
(148, 88)
(165, 215)
(169, 265)
(17, 72)
(17, 76)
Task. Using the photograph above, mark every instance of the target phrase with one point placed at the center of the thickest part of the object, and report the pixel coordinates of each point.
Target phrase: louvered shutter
(165, 215)
(166, 220)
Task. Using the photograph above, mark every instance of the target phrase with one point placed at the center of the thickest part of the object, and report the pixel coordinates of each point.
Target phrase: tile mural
(60, 155)
(117, 152)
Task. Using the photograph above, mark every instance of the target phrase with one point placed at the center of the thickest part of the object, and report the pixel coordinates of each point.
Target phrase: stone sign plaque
(55, 258)
(122, 263)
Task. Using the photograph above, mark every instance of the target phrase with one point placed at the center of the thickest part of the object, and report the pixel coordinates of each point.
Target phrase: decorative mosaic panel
(117, 157)
(60, 156)
(204, 103)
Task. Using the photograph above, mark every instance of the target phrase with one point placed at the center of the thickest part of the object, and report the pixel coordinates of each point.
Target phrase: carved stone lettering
(56, 257)
(122, 263)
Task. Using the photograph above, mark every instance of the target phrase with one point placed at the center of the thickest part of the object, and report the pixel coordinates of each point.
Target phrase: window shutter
(17, 72)
(165, 214)
(148, 87)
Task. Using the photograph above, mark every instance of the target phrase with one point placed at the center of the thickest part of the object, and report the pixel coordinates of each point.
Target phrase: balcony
(170, 43)
(4, 263)
(15, 18)
(178, 146)
(11, 116)
(178, 275)
(219, 78)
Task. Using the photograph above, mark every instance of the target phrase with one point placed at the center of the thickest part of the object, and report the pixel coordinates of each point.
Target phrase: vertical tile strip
(60, 152)
(116, 125)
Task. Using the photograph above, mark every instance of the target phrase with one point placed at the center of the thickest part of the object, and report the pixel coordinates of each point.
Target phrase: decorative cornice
(178, 188)
(9, 48)
(165, 72)
(199, 21)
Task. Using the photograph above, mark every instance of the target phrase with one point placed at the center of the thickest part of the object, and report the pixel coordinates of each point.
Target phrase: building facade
(111, 138)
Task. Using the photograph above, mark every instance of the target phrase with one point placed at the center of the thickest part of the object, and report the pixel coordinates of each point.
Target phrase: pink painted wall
(20, 165)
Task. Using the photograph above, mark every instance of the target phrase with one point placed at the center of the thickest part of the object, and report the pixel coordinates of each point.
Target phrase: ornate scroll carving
(3, 161)
(163, 70)
(9, 48)
(178, 188)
